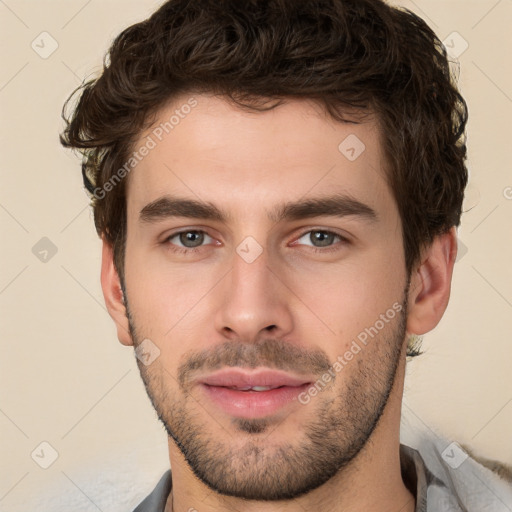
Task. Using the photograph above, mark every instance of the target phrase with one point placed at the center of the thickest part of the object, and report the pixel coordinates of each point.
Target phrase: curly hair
(361, 55)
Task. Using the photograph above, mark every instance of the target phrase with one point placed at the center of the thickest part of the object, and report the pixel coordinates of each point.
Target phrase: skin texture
(340, 451)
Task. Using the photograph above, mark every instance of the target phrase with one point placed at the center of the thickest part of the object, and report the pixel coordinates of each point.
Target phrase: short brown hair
(345, 54)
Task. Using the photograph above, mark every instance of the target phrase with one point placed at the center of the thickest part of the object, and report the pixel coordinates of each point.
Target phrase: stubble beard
(252, 460)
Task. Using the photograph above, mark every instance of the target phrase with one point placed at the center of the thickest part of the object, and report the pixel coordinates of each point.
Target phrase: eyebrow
(338, 205)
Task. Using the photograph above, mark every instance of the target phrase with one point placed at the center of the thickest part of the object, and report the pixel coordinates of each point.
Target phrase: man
(277, 185)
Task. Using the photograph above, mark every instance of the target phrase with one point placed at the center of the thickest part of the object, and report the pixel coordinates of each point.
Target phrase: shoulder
(447, 476)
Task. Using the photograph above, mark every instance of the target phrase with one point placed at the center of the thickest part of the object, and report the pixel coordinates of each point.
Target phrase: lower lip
(252, 404)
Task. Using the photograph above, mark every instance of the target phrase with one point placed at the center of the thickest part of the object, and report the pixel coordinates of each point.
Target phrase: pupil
(321, 238)
(191, 238)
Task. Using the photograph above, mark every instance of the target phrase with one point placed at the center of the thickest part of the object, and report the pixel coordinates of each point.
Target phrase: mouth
(254, 388)
(253, 394)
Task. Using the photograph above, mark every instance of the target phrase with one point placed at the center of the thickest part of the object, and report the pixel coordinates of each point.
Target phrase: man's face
(256, 290)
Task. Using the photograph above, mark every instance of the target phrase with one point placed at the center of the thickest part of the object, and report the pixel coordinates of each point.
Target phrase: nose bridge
(250, 279)
(252, 298)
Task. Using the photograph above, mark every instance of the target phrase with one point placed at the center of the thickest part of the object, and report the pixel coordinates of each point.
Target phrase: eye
(319, 238)
(189, 239)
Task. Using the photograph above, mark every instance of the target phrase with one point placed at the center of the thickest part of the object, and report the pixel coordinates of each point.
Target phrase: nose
(252, 301)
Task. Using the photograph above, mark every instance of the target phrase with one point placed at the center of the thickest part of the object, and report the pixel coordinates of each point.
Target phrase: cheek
(342, 300)
(165, 299)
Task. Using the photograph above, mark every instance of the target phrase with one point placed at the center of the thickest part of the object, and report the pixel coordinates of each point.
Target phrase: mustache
(272, 353)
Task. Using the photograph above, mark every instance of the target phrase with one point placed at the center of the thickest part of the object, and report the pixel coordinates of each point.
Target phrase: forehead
(202, 147)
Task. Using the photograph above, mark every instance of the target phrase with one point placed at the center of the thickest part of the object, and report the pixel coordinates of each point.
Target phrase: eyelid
(178, 231)
(343, 238)
(175, 247)
(176, 235)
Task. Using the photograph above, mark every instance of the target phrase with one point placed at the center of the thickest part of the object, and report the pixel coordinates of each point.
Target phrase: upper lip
(239, 378)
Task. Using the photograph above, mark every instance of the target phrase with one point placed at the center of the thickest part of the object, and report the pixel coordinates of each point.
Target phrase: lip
(239, 378)
(252, 404)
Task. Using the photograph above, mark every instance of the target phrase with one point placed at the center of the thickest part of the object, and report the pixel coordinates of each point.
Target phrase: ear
(113, 294)
(430, 284)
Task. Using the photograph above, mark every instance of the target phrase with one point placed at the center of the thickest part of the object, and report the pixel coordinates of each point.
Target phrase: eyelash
(183, 250)
(191, 250)
(328, 249)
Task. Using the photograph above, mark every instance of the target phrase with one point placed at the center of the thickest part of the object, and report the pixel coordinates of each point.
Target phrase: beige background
(64, 377)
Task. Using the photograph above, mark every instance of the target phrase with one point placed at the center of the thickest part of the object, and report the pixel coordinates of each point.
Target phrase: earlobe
(430, 284)
(113, 294)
